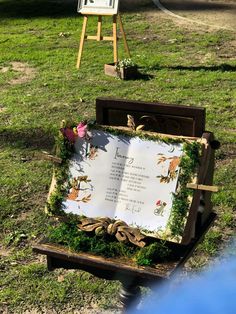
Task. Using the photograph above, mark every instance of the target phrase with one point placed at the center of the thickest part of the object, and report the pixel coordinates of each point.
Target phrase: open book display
(127, 183)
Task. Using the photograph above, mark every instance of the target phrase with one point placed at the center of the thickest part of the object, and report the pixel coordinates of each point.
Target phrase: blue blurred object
(212, 292)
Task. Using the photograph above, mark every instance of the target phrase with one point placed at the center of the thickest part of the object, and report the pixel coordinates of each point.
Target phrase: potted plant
(124, 69)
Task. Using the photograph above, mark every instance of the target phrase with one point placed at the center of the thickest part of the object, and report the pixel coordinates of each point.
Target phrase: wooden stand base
(129, 295)
(130, 276)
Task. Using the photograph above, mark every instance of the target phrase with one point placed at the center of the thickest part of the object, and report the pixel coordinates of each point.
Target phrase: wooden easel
(99, 37)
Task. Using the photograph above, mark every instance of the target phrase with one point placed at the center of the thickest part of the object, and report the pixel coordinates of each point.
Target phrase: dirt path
(26, 73)
(215, 14)
(191, 13)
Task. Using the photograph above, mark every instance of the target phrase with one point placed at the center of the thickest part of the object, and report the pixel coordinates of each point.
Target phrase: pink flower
(158, 203)
(69, 134)
(82, 129)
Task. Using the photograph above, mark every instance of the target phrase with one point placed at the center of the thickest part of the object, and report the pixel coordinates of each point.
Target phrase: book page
(92, 168)
(125, 178)
(145, 196)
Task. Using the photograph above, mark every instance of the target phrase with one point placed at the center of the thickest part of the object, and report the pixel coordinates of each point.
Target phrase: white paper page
(99, 3)
(98, 6)
(145, 201)
(131, 179)
(98, 168)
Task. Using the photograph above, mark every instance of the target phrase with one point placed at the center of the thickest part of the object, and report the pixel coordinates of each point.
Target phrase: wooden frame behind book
(168, 119)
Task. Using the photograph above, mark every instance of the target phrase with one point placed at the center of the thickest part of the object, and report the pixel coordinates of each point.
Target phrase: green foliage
(153, 253)
(192, 153)
(180, 205)
(141, 134)
(64, 147)
(68, 235)
(54, 204)
(64, 150)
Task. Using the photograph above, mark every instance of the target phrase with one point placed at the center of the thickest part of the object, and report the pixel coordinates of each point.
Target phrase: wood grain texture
(119, 268)
(83, 33)
(203, 187)
(169, 119)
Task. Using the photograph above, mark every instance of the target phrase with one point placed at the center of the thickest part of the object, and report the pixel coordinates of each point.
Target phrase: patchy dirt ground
(25, 73)
(191, 13)
(215, 14)
(4, 252)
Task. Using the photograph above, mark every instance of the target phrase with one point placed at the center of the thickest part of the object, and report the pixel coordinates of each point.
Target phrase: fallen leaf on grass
(62, 34)
(60, 278)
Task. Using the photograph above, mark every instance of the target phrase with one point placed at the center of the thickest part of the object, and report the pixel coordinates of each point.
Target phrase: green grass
(55, 290)
(179, 65)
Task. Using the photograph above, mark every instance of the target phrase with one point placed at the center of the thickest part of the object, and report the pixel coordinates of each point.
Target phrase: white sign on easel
(98, 7)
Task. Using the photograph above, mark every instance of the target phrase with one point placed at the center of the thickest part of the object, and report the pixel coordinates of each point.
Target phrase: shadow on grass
(222, 68)
(27, 138)
(38, 8)
(59, 8)
(141, 76)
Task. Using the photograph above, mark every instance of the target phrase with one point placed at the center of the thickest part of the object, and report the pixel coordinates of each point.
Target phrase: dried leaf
(130, 122)
(60, 278)
(86, 199)
(140, 127)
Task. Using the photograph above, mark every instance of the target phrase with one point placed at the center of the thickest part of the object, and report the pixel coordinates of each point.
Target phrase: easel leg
(82, 42)
(115, 39)
(99, 32)
(123, 35)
